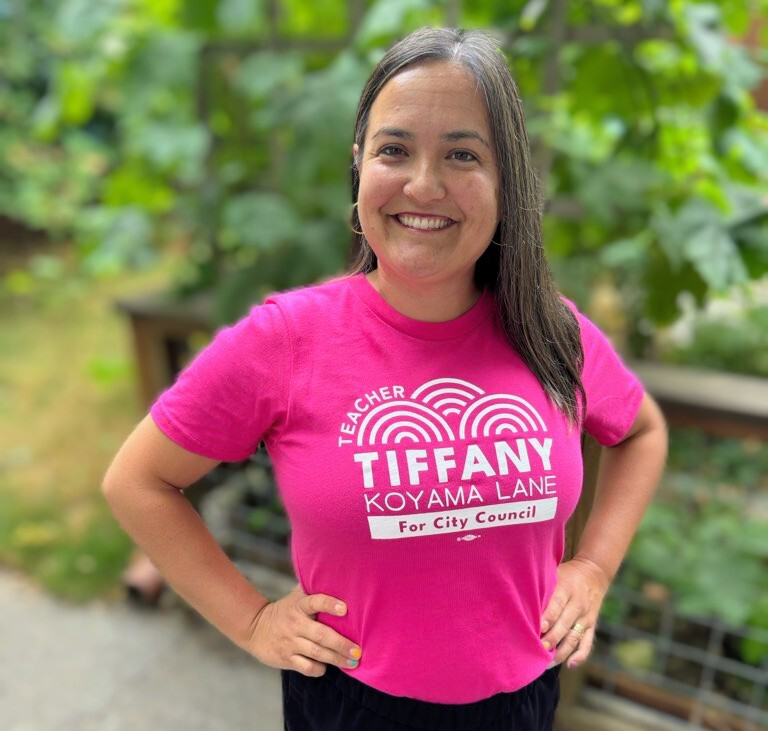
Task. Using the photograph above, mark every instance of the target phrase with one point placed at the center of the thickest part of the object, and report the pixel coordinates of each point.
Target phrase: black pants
(338, 702)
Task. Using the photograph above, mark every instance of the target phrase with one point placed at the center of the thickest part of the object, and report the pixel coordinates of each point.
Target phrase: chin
(419, 271)
(417, 262)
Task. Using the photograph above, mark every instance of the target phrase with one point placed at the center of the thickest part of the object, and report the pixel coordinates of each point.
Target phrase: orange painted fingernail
(546, 645)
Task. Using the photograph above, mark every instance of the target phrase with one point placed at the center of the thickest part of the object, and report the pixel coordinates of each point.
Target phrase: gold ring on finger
(579, 628)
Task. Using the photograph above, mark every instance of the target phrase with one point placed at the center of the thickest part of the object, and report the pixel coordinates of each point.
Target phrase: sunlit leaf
(531, 13)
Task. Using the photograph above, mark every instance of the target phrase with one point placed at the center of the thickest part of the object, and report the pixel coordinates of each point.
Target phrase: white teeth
(424, 223)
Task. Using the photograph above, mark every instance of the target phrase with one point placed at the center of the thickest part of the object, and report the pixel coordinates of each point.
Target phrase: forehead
(431, 96)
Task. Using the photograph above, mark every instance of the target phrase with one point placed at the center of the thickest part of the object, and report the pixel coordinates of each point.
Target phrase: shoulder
(325, 292)
(309, 295)
(308, 305)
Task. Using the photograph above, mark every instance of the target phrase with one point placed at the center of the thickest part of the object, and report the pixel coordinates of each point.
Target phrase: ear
(355, 149)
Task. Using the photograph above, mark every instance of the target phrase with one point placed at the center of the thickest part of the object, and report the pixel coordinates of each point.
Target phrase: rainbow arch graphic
(423, 417)
(493, 414)
(410, 418)
(447, 395)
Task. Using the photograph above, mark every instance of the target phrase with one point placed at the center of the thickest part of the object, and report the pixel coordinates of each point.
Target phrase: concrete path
(117, 667)
(120, 667)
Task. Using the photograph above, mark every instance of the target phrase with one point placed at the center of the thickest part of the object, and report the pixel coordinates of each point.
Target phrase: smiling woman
(422, 414)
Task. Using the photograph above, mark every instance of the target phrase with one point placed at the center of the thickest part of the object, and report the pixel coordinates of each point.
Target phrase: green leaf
(261, 74)
(702, 23)
(260, 220)
(133, 184)
(107, 371)
(626, 252)
(171, 147)
(752, 538)
(703, 26)
(115, 239)
(81, 21)
(531, 13)
(712, 251)
(386, 18)
(241, 16)
(696, 233)
(76, 85)
(754, 650)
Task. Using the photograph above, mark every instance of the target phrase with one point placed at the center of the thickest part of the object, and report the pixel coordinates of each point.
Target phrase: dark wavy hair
(538, 323)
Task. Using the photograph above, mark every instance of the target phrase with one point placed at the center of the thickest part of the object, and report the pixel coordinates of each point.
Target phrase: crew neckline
(422, 329)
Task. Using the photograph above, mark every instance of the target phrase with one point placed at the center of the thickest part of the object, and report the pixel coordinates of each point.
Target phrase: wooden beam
(725, 404)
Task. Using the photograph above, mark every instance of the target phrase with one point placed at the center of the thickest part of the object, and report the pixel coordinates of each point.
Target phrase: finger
(305, 666)
(313, 603)
(585, 647)
(562, 625)
(572, 611)
(329, 640)
(554, 609)
(569, 644)
(321, 653)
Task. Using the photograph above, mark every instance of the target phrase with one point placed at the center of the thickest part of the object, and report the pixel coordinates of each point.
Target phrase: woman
(422, 416)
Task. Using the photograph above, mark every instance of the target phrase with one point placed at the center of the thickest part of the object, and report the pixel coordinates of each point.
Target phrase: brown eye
(464, 156)
(390, 151)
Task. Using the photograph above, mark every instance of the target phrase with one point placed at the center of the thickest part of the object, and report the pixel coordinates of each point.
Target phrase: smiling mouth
(423, 223)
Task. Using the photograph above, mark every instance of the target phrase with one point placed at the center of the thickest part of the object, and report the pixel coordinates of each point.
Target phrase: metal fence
(684, 660)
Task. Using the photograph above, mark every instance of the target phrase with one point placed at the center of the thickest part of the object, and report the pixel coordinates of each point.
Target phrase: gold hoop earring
(359, 233)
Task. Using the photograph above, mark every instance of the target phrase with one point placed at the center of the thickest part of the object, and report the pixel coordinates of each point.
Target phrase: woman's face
(428, 198)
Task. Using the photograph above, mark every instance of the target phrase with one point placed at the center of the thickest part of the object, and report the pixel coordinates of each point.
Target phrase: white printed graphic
(450, 446)
(430, 524)
(422, 417)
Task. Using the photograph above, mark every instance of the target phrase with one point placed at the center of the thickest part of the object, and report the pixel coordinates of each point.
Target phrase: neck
(428, 302)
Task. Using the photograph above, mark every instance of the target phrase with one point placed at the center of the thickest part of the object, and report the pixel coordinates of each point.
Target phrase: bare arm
(143, 488)
(627, 478)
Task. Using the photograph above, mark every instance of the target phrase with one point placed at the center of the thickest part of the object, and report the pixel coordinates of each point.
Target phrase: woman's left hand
(581, 588)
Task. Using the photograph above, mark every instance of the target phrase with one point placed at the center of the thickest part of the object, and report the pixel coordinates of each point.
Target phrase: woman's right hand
(285, 635)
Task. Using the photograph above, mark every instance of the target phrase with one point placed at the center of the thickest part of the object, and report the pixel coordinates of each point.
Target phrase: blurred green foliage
(74, 563)
(705, 549)
(734, 344)
(705, 536)
(132, 125)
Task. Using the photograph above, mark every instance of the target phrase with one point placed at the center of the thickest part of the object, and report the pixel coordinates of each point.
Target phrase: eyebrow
(459, 134)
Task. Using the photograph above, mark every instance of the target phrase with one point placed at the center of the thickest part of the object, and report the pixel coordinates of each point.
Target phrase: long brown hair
(537, 322)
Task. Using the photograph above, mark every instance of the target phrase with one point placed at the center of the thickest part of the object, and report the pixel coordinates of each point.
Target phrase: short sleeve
(614, 392)
(233, 392)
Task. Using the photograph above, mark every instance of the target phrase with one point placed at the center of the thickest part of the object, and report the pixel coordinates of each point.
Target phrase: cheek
(480, 197)
(377, 188)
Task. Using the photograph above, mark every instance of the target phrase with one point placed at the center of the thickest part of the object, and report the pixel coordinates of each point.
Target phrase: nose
(424, 182)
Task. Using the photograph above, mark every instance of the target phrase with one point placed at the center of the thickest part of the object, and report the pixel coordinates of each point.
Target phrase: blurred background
(164, 165)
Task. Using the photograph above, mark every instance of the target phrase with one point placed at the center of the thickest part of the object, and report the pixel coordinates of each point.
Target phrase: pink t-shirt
(427, 477)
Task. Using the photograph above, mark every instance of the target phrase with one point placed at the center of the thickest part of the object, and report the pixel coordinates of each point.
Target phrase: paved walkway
(120, 667)
(117, 667)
